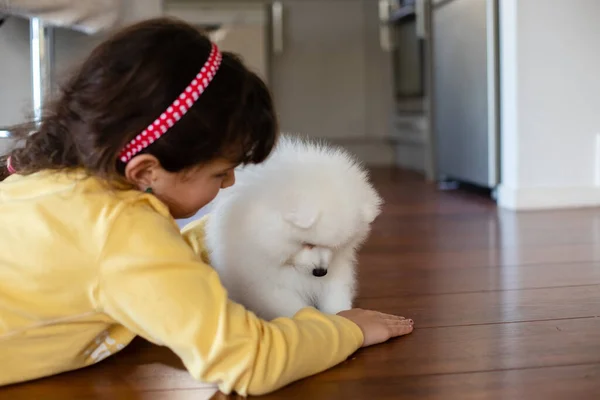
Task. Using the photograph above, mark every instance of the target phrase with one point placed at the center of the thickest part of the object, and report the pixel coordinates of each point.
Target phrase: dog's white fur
(256, 235)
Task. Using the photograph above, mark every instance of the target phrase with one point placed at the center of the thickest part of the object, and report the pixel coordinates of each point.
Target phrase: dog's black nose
(319, 272)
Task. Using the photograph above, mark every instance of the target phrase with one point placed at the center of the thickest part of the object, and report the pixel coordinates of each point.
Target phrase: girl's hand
(378, 327)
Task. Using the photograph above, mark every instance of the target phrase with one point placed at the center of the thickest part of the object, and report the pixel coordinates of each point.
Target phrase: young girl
(147, 131)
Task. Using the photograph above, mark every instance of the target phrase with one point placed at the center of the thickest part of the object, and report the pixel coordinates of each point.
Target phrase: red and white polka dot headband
(177, 109)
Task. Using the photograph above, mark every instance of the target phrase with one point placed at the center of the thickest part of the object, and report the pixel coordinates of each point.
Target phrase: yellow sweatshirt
(83, 269)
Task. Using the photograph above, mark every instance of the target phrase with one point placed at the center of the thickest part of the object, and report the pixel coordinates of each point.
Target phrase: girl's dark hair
(126, 83)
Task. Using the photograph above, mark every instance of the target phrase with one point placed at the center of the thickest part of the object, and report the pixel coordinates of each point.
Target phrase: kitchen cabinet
(319, 77)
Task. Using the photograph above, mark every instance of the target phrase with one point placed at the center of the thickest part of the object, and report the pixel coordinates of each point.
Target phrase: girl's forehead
(220, 163)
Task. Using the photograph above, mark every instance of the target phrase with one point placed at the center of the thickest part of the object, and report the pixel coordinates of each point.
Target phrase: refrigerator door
(465, 90)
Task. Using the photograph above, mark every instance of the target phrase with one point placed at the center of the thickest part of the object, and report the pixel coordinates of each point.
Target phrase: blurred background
(495, 95)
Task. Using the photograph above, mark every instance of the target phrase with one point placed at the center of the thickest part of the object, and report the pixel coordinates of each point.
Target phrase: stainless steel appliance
(409, 58)
(446, 70)
(464, 40)
(41, 47)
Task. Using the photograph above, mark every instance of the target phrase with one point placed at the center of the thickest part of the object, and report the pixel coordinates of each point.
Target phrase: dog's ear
(372, 208)
(370, 212)
(302, 217)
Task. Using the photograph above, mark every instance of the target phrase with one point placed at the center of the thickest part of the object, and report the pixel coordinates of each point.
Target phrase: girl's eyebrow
(226, 169)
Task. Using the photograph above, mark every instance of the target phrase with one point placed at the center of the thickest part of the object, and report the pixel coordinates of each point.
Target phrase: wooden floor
(506, 306)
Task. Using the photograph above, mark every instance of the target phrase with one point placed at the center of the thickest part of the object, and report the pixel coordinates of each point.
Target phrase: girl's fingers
(391, 317)
(401, 322)
(400, 329)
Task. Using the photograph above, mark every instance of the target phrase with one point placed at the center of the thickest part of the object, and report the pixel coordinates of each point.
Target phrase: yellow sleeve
(193, 233)
(153, 283)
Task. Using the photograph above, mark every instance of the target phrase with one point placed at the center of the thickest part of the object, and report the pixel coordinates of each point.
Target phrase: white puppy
(285, 236)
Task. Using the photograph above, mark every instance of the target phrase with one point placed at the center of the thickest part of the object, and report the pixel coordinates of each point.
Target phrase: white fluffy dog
(285, 236)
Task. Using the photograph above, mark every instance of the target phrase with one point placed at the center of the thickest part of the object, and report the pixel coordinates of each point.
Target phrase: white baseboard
(548, 198)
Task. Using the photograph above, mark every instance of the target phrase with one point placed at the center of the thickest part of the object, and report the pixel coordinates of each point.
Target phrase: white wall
(550, 102)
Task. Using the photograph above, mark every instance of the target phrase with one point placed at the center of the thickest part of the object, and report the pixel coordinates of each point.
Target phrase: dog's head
(327, 202)
(321, 232)
(305, 206)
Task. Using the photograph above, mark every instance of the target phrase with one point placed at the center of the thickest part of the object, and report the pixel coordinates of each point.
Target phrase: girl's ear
(141, 171)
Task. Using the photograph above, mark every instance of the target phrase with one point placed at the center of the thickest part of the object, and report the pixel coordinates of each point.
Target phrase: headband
(9, 166)
(176, 110)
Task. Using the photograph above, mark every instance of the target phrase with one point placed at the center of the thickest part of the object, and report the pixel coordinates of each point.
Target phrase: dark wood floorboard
(474, 279)
(432, 311)
(507, 306)
(553, 383)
